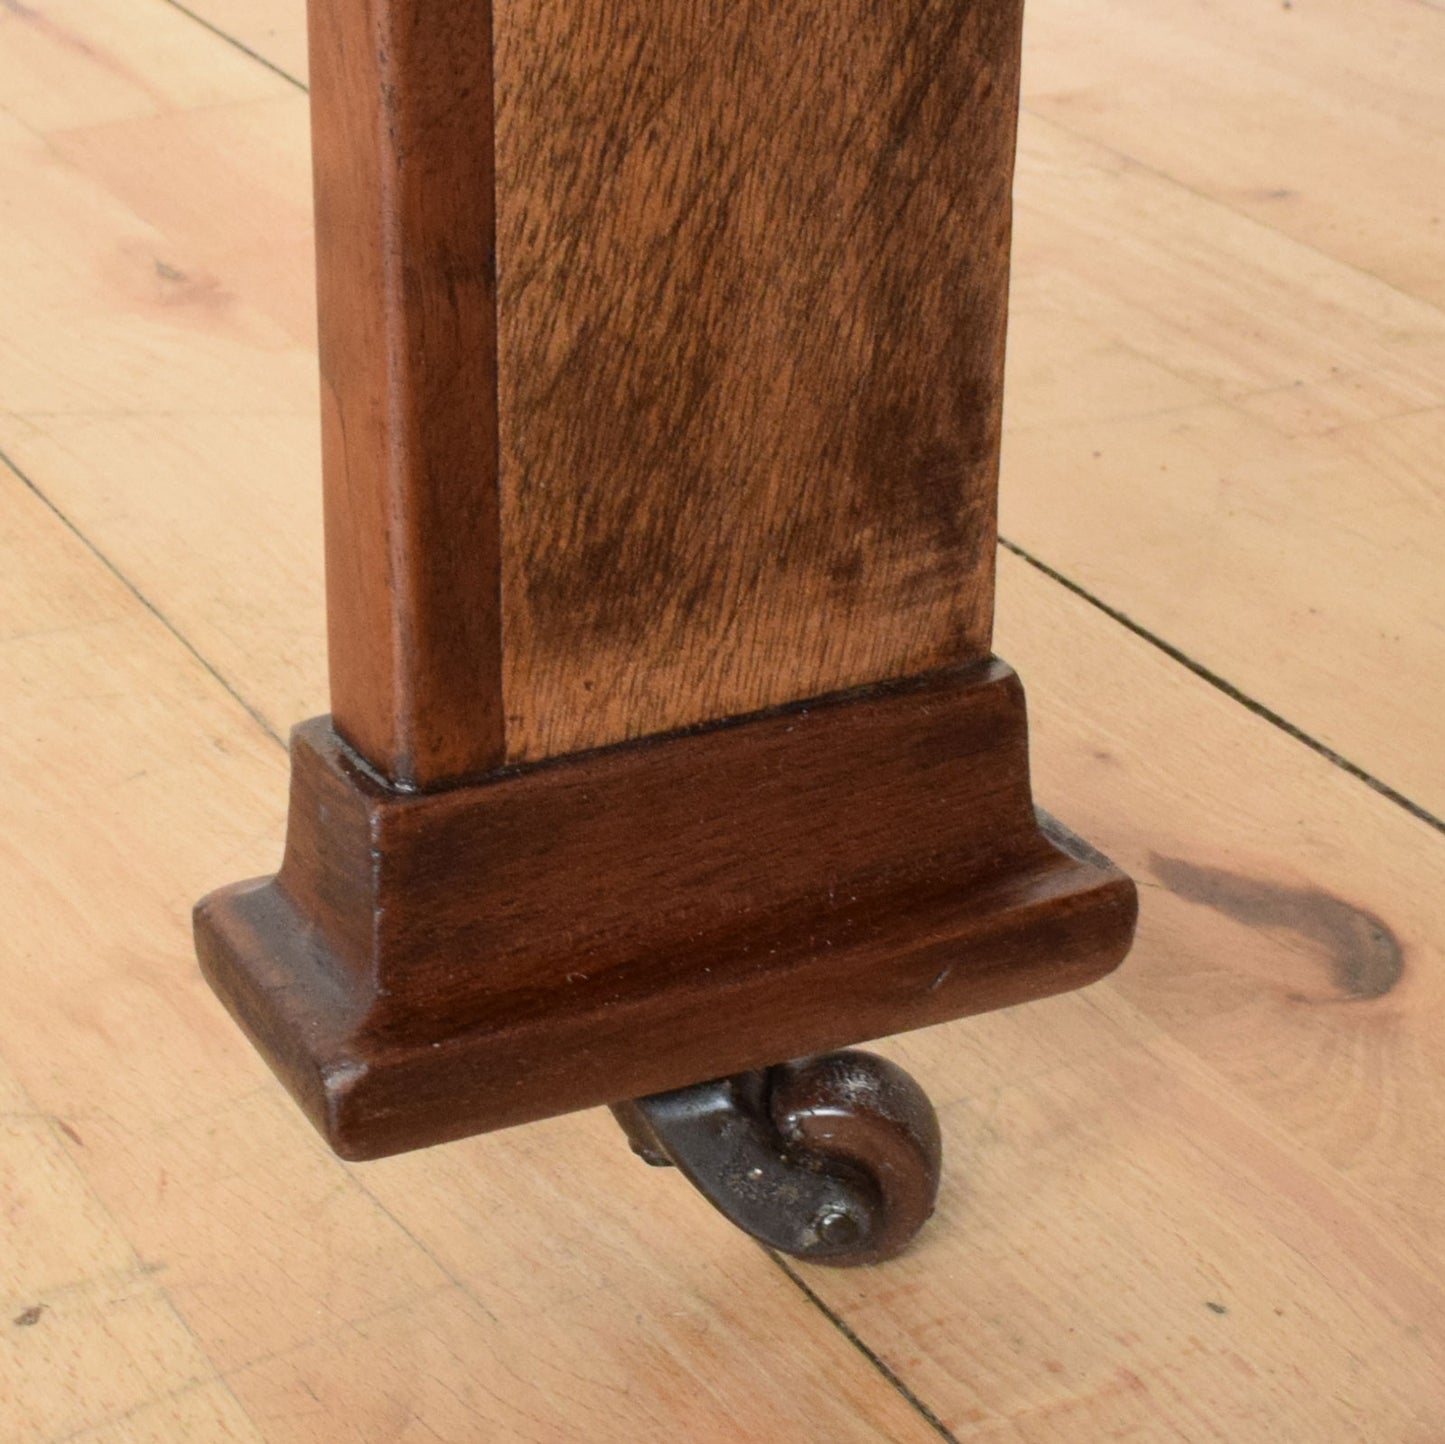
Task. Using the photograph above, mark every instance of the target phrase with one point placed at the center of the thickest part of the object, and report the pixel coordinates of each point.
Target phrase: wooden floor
(1202, 1201)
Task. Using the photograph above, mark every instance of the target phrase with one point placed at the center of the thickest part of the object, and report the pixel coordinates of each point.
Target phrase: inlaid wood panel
(752, 265)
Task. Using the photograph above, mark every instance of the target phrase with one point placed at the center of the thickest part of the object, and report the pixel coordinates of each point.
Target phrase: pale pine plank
(273, 29)
(161, 267)
(205, 1414)
(1319, 118)
(79, 62)
(1270, 506)
(87, 1330)
(85, 1327)
(1231, 439)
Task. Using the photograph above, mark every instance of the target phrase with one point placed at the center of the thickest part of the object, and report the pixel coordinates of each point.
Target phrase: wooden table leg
(661, 354)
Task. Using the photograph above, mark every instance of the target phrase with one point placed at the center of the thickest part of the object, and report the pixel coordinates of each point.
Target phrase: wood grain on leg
(753, 274)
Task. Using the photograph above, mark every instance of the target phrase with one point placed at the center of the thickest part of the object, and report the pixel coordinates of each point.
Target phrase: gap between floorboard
(1222, 684)
(238, 44)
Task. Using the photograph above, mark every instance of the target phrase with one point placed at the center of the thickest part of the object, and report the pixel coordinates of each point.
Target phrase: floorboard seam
(239, 44)
(848, 1332)
(1235, 694)
(141, 597)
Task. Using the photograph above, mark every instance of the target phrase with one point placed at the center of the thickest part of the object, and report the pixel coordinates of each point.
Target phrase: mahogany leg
(662, 382)
(833, 1159)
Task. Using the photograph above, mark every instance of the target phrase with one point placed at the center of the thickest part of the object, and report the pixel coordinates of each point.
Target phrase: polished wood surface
(752, 272)
(401, 107)
(639, 918)
(1198, 1200)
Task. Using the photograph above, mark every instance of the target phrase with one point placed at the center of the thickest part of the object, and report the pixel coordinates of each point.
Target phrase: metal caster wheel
(833, 1159)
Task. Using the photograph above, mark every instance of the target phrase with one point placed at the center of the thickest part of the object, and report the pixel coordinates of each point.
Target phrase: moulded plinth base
(626, 921)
